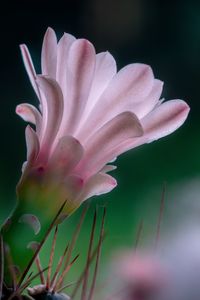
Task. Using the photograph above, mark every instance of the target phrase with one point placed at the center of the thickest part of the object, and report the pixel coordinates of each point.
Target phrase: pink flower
(142, 276)
(89, 114)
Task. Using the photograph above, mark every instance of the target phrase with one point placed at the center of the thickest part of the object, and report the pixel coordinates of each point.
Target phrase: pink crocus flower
(88, 115)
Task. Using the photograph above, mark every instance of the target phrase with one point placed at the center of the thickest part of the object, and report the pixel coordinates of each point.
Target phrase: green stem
(18, 235)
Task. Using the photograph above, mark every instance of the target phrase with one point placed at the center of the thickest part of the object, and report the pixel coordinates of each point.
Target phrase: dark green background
(164, 34)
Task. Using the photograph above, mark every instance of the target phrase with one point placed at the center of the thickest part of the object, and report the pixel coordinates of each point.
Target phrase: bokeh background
(163, 34)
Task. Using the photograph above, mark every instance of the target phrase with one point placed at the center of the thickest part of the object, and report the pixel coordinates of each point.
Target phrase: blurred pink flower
(141, 275)
(89, 114)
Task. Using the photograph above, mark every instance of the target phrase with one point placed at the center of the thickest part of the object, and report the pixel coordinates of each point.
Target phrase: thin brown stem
(53, 281)
(91, 293)
(162, 203)
(51, 258)
(138, 235)
(85, 281)
(39, 267)
(57, 286)
(75, 235)
(83, 273)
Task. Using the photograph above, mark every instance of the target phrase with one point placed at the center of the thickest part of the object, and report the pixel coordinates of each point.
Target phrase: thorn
(65, 287)
(21, 288)
(83, 273)
(41, 244)
(39, 267)
(91, 293)
(51, 258)
(85, 281)
(138, 234)
(57, 286)
(75, 236)
(53, 281)
(162, 202)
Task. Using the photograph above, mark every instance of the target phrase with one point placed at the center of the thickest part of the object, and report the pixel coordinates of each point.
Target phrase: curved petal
(32, 144)
(64, 45)
(30, 114)
(105, 69)
(49, 54)
(99, 149)
(97, 185)
(68, 152)
(80, 70)
(54, 101)
(142, 108)
(128, 87)
(162, 121)
(108, 168)
(29, 67)
(165, 119)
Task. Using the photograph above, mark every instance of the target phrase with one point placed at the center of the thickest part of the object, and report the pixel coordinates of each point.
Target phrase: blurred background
(163, 34)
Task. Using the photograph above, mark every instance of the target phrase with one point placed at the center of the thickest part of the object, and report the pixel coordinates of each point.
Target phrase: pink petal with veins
(98, 184)
(67, 153)
(29, 67)
(80, 72)
(64, 45)
(105, 69)
(99, 149)
(127, 88)
(49, 53)
(54, 100)
(32, 144)
(30, 114)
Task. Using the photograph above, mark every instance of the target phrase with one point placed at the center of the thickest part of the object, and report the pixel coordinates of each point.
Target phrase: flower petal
(162, 121)
(98, 184)
(64, 45)
(80, 70)
(128, 87)
(105, 69)
(165, 119)
(49, 53)
(99, 149)
(142, 108)
(32, 144)
(66, 155)
(29, 67)
(30, 114)
(108, 168)
(54, 101)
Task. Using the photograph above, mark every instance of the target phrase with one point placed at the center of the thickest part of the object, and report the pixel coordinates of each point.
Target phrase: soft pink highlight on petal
(142, 108)
(108, 168)
(29, 67)
(99, 149)
(105, 69)
(127, 88)
(32, 144)
(64, 45)
(54, 100)
(67, 153)
(49, 53)
(98, 184)
(80, 70)
(30, 114)
(165, 119)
